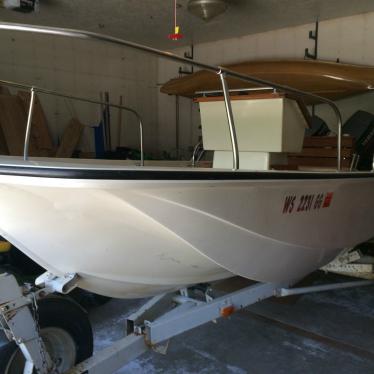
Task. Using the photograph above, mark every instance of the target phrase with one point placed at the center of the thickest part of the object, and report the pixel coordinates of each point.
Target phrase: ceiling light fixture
(207, 9)
(176, 35)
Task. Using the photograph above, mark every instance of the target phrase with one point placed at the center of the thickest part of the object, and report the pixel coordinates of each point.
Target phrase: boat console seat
(268, 127)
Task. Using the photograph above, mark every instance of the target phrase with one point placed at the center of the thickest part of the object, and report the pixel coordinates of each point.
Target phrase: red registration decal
(307, 203)
(328, 200)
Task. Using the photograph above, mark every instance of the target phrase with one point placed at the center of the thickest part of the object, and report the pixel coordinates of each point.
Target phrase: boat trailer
(151, 327)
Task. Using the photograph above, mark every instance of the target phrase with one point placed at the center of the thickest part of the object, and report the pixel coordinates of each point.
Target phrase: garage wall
(350, 39)
(84, 68)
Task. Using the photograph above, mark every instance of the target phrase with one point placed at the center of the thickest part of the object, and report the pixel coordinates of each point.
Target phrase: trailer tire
(88, 299)
(65, 330)
(7, 352)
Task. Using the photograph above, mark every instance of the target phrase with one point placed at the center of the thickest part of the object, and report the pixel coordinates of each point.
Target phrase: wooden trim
(322, 152)
(328, 141)
(317, 161)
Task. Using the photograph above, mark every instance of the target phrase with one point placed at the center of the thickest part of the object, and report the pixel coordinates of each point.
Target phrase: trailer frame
(151, 327)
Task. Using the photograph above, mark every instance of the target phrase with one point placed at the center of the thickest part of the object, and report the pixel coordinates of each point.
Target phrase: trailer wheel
(66, 333)
(88, 299)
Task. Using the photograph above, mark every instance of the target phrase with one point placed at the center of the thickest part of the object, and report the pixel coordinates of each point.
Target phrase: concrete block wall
(84, 68)
(348, 39)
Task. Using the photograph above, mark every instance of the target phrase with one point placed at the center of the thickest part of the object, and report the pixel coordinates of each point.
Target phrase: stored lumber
(70, 139)
(39, 130)
(4, 90)
(3, 146)
(13, 121)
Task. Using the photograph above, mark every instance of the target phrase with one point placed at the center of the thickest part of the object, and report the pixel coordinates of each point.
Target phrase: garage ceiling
(150, 21)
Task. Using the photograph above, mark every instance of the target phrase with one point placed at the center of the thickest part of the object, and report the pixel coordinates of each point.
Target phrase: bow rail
(34, 90)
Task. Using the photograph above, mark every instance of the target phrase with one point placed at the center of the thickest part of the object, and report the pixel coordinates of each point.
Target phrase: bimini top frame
(221, 71)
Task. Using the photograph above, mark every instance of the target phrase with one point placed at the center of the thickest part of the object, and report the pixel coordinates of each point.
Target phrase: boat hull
(135, 238)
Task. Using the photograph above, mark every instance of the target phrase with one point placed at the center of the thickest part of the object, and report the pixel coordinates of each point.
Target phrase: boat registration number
(306, 203)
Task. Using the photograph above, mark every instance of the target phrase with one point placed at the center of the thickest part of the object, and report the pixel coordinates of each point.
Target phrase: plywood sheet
(13, 124)
(70, 139)
(39, 130)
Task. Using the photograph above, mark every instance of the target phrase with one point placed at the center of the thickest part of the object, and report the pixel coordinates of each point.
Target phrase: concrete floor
(331, 332)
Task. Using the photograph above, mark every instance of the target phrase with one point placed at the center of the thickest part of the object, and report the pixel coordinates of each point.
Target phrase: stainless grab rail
(197, 153)
(28, 125)
(234, 90)
(230, 120)
(34, 90)
(170, 56)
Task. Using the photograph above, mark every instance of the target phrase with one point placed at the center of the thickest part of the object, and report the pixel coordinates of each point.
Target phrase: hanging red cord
(176, 35)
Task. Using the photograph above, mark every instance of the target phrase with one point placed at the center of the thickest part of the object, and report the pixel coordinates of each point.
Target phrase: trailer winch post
(20, 326)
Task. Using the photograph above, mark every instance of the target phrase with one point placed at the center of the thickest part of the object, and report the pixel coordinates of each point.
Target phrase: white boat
(131, 232)
(135, 231)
